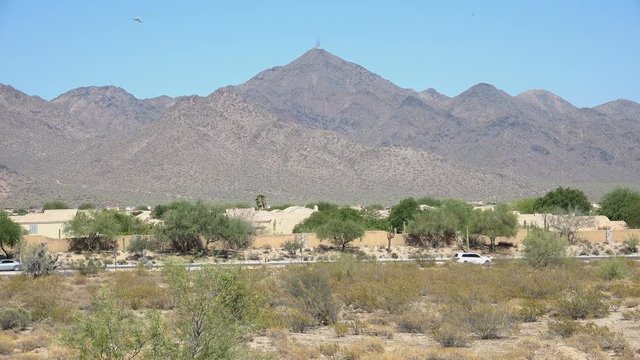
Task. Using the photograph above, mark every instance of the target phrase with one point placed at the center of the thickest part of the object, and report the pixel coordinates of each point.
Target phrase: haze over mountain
(317, 128)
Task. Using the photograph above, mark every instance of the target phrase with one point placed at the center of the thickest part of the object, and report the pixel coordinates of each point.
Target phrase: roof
(46, 217)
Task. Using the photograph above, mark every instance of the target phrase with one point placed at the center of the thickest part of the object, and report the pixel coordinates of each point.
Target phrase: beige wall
(52, 230)
(371, 238)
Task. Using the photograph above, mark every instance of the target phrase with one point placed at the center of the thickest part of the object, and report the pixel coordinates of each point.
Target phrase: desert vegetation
(346, 309)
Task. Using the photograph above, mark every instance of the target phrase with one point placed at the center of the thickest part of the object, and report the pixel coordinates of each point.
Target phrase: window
(33, 228)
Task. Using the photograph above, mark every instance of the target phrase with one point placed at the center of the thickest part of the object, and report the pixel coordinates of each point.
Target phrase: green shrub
(544, 248)
(11, 318)
(37, 261)
(612, 269)
(582, 304)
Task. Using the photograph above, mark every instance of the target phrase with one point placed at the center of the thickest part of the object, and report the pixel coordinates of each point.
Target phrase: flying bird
(138, 20)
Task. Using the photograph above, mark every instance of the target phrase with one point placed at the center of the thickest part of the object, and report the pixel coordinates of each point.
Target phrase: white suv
(472, 258)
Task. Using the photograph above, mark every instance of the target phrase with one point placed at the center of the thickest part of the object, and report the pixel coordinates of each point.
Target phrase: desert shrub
(612, 269)
(14, 318)
(531, 310)
(292, 246)
(81, 244)
(6, 344)
(544, 248)
(582, 304)
(37, 261)
(413, 322)
(631, 244)
(311, 292)
(329, 350)
(633, 315)
(89, 266)
(299, 321)
(140, 290)
(487, 321)
(140, 244)
(341, 329)
(563, 327)
(371, 347)
(450, 335)
(112, 332)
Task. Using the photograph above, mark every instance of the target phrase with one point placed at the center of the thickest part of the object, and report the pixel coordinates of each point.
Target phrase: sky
(587, 52)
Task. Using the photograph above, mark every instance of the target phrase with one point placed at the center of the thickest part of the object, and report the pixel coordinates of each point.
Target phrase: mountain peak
(95, 93)
(546, 100)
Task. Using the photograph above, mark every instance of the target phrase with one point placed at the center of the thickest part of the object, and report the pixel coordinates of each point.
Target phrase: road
(283, 263)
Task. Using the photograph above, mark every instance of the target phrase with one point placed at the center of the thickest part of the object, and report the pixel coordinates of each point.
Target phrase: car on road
(9, 265)
(472, 258)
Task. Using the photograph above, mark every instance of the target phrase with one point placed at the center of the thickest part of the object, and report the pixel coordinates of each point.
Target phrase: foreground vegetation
(342, 310)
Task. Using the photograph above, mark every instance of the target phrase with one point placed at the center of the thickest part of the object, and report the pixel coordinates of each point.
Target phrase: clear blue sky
(585, 51)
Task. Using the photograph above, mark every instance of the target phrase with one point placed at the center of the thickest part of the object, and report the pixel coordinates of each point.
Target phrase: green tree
(431, 227)
(401, 214)
(340, 232)
(565, 199)
(192, 227)
(93, 230)
(461, 210)
(544, 248)
(328, 213)
(622, 204)
(495, 222)
(10, 233)
(55, 205)
(524, 206)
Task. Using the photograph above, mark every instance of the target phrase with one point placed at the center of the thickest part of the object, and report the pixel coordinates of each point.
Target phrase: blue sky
(588, 52)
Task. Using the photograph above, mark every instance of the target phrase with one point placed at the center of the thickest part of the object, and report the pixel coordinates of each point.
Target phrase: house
(48, 223)
(274, 222)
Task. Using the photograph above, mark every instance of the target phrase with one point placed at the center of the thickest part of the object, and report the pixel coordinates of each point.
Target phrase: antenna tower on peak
(317, 44)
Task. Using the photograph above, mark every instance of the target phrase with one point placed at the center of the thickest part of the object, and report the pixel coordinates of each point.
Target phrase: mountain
(317, 128)
(535, 135)
(110, 110)
(222, 147)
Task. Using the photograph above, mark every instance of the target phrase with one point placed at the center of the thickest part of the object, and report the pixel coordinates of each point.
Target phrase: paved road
(283, 263)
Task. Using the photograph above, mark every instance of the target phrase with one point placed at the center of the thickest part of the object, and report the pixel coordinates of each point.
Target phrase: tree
(568, 223)
(93, 230)
(10, 233)
(187, 225)
(622, 204)
(37, 261)
(402, 213)
(328, 213)
(340, 232)
(261, 202)
(55, 205)
(524, 206)
(565, 199)
(433, 226)
(495, 222)
(544, 248)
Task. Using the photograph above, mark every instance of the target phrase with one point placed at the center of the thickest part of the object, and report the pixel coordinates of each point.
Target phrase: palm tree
(261, 202)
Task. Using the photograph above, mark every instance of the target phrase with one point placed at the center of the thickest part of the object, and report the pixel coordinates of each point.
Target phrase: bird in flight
(137, 19)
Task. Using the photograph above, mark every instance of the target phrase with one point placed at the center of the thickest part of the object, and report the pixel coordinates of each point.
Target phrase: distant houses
(274, 222)
(48, 223)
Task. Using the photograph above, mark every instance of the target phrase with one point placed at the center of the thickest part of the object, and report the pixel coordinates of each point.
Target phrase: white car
(472, 258)
(9, 264)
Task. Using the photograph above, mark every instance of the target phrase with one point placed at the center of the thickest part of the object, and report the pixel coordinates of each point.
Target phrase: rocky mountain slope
(536, 135)
(317, 128)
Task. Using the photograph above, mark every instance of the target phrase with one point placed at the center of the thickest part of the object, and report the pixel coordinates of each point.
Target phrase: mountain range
(319, 128)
